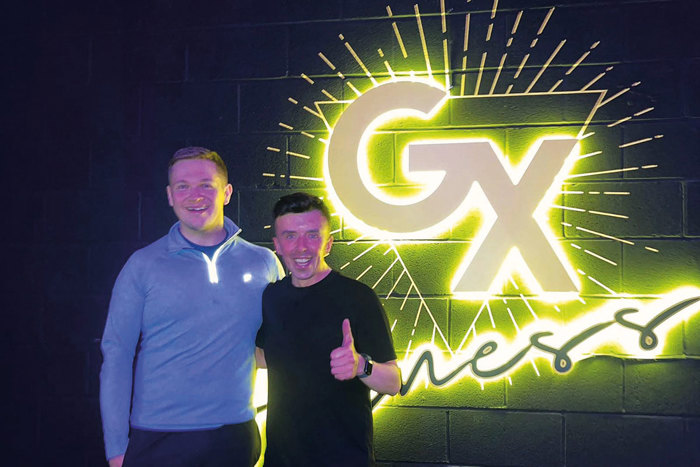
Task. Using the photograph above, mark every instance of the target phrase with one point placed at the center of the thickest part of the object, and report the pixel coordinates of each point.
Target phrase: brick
(65, 59)
(692, 209)
(653, 209)
(360, 9)
(306, 173)
(156, 216)
(20, 435)
(22, 308)
(63, 111)
(593, 439)
(679, 261)
(691, 75)
(85, 428)
(412, 435)
(114, 114)
(593, 385)
(433, 313)
(247, 158)
(655, 83)
(147, 160)
(569, 21)
(306, 41)
(370, 265)
(434, 277)
(67, 165)
(264, 104)
(62, 373)
(595, 275)
(186, 14)
(465, 314)
(93, 215)
(256, 212)
(189, 110)
(217, 54)
(692, 434)
(71, 323)
(157, 56)
(645, 30)
(21, 17)
(105, 260)
(113, 163)
(662, 387)
(23, 366)
(65, 268)
(675, 153)
(505, 438)
(408, 29)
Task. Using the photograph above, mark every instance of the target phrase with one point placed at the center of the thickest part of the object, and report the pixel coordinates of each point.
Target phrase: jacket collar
(177, 242)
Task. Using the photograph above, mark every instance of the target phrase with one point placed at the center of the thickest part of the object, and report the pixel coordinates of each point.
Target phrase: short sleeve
(374, 335)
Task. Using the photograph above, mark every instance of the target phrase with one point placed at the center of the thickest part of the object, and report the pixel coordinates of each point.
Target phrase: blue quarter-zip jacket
(195, 319)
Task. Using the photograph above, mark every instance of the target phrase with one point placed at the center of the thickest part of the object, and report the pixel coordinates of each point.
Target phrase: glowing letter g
(346, 169)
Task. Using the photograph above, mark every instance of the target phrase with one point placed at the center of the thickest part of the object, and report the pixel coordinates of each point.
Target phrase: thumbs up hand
(344, 359)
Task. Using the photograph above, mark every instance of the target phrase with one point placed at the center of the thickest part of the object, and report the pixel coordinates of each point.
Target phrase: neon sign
(639, 330)
(458, 175)
(454, 177)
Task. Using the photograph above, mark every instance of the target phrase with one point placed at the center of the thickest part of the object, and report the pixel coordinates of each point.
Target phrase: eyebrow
(187, 181)
(294, 231)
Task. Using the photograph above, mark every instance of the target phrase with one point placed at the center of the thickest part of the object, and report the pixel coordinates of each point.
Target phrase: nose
(196, 194)
(302, 244)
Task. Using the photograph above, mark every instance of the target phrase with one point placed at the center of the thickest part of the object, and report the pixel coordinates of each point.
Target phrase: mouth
(302, 262)
(197, 208)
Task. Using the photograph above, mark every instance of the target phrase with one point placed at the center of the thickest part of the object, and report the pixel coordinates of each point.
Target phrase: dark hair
(298, 203)
(196, 152)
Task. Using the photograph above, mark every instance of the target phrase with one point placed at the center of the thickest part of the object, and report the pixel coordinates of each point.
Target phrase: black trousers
(230, 445)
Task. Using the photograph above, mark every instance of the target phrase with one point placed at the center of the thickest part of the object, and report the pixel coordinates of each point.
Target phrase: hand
(344, 359)
(116, 461)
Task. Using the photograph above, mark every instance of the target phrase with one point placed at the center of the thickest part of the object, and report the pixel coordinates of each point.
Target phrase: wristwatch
(367, 370)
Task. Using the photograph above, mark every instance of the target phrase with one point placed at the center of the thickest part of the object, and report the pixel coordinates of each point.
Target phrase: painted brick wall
(98, 95)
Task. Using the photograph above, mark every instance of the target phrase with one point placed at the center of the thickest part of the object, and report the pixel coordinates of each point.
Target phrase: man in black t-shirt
(326, 342)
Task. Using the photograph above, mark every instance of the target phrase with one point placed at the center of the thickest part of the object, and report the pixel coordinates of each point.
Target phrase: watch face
(367, 370)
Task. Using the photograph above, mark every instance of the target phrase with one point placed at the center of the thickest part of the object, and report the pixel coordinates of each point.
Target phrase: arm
(119, 341)
(385, 377)
(345, 361)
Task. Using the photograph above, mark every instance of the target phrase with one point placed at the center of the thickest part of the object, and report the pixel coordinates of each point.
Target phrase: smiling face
(303, 240)
(197, 193)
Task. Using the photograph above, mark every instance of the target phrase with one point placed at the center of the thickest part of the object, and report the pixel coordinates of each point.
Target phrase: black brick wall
(98, 94)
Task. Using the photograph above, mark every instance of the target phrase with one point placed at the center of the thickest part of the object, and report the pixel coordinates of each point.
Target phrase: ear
(276, 243)
(170, 195)
(329, 244)
(228, 191)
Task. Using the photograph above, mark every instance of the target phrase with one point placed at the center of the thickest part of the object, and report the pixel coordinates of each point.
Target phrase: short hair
(197, 152)
(300, 202)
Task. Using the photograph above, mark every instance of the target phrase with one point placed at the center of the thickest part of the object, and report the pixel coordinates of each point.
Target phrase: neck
(318, 277)
(208, 238)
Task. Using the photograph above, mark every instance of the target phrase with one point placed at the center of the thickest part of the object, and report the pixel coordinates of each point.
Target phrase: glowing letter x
(516, 234)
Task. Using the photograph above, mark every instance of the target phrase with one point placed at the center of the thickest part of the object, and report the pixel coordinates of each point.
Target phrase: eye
(207, 185)
(180, 187)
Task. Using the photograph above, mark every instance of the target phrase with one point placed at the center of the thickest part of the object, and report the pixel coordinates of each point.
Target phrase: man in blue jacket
(182, 321)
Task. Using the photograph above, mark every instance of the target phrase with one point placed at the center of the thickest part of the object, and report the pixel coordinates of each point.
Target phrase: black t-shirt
(314, 419)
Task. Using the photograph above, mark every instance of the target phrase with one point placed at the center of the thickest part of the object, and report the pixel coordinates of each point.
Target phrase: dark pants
(231, 445)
